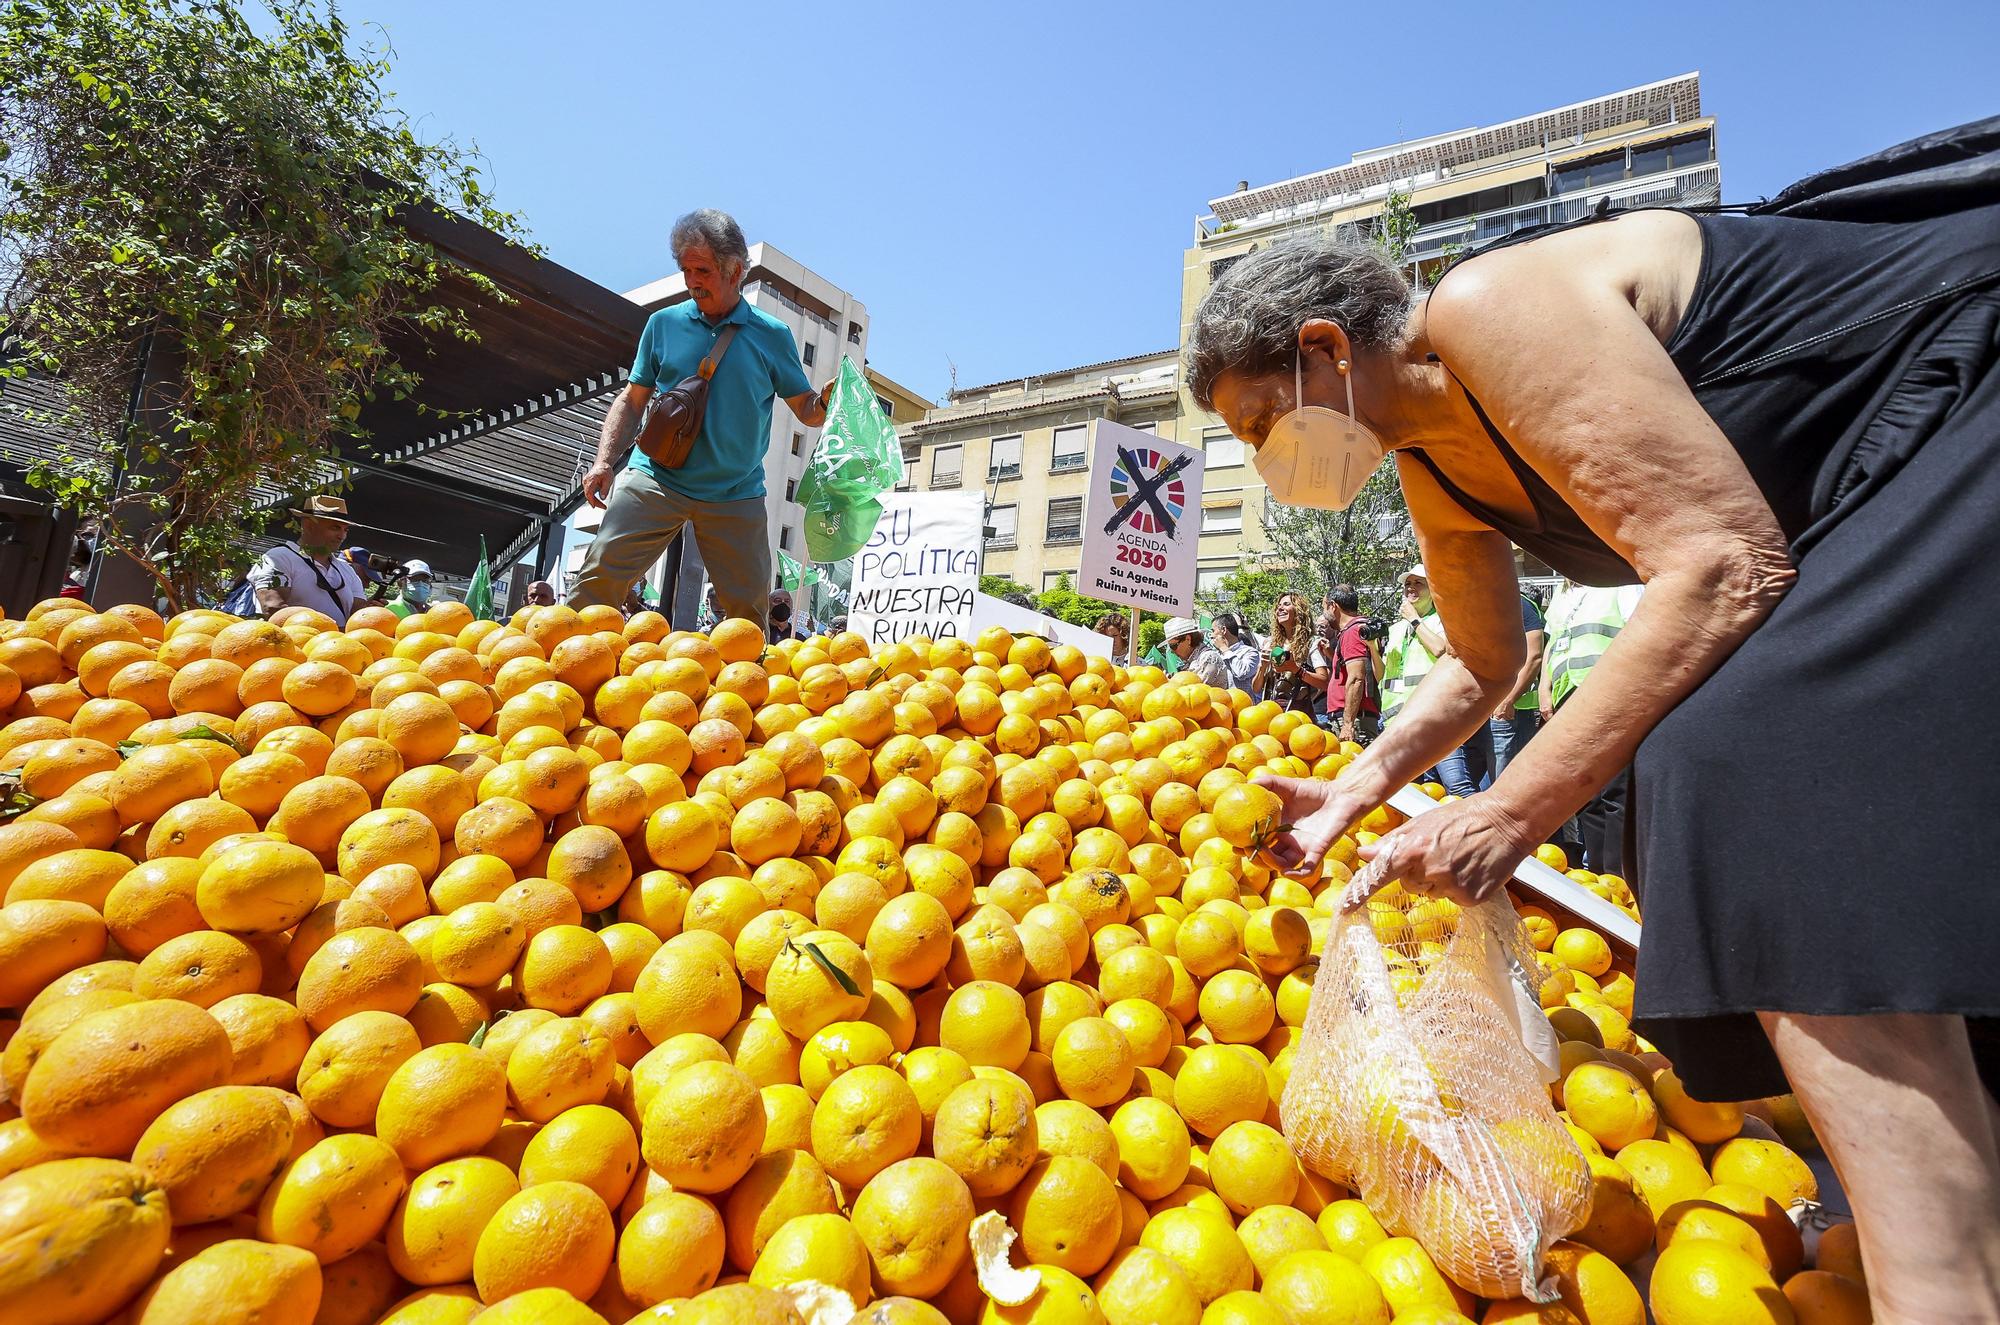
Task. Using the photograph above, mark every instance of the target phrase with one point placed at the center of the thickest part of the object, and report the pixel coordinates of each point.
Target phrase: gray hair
(715, 231)
(1250, 321)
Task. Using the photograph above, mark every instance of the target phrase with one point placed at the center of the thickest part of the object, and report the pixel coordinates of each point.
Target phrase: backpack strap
(716, 351)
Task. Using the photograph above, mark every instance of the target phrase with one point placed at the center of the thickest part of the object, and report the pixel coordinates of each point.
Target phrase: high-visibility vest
(1405, 663)
(1582, 622)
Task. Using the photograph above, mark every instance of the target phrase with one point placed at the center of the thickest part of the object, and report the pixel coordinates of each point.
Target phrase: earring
(1342, 365)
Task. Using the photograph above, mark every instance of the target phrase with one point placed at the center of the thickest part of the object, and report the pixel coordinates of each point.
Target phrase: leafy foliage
(1250, 593)
(212, 209)
(999, 586)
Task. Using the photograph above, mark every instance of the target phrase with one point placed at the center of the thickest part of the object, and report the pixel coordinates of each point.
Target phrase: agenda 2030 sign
(1142, 521)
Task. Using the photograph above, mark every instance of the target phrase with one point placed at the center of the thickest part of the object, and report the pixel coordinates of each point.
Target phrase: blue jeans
(1464, 770)
(1509, 735)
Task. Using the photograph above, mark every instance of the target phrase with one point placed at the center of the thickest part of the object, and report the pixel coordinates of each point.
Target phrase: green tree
(999, 586)
(211, 209)
(1065, 604)
(1248, 592)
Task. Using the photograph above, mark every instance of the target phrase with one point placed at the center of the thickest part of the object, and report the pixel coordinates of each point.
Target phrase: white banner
(1142, 521)
(918, 573)
(990, 611)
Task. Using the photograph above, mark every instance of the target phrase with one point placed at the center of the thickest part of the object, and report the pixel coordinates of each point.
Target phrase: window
(1051, 578)
(1068, 452)
(808, 352)
(1149, 427)
(1208, 579)
(946, 463)
(1222, 448)
(1065, 520)
(1006, 461)
(854, 333)
(1221, 265)
(798, 443)
(1222, 519)
(785, 539)
(1601, 173)
(792, 494)
(888, 410)
(1002, 521)
(909, 474)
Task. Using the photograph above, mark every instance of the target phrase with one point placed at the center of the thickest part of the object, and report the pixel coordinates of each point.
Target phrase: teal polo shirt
(727, 462)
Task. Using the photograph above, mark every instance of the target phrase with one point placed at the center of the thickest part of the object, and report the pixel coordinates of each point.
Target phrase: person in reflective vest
(1582, 622)
(1415, 641)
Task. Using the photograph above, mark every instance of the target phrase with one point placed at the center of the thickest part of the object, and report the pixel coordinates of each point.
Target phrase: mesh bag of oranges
(1422, 1082)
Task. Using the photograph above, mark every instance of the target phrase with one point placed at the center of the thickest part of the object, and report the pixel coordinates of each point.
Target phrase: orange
(1067, 1214)
(558, 1065)
(98, 1228)
(703, 1132)
(214, 1151)
(987, 1023)
(563, 968)
(91, 1091)
(258, 1280)
(1218, 1085)
(555, 1235)
(985, 1129)
(348, 1066)
(589, 1144)
(1698, 1281)
(421, 727)
(259, 887)
(867, 1119)
(690, 984)
(913, 1217)
(503, 827)
(681, 836)
(78, 875)
(1819, 1297)
(1252, 1166)
(441, 1103)
(1209, 1253)
(1766, 1166)
(359, 971)
(268, 1039)
(202, 967)
(432, 1235)
(157, 778)
(671, 1249)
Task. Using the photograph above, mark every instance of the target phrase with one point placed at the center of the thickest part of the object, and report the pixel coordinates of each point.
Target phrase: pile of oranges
(578, 969)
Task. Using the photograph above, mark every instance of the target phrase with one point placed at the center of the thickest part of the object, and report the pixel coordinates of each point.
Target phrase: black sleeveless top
(1796, 337)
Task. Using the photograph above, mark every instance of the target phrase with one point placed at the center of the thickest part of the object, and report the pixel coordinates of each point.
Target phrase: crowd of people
(1352, 674)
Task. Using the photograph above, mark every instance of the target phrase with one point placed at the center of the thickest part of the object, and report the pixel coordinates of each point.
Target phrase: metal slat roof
(1669, 100)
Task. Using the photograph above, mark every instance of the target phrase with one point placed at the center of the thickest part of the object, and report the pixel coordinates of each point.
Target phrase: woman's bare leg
(1904, 1118)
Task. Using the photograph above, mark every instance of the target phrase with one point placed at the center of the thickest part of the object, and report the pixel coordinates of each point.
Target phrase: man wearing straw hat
(309, 572)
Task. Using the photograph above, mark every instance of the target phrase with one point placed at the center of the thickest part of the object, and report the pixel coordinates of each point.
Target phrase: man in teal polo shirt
(720, 490)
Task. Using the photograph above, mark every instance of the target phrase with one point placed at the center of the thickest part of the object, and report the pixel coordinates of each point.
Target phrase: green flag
(791, 575)
(479, 593)
(857, 460)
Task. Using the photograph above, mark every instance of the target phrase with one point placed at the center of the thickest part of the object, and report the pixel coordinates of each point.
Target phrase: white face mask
(1318, 457)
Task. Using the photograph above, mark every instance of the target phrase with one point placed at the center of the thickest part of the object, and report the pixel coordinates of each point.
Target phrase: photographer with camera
(1353, 694)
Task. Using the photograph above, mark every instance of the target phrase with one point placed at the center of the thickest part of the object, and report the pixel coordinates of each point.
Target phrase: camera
(1374, 628)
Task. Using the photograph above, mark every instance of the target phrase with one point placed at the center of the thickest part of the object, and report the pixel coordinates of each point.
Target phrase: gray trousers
(642, 518)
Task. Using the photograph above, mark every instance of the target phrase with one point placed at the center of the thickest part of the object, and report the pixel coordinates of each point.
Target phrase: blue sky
(1010, 189)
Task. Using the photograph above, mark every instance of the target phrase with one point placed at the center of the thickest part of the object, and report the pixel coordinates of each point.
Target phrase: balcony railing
(1000, 543)
(1692, 185)
(951, 480)
(1002, 472)
(1065, 533)
(1068, 464)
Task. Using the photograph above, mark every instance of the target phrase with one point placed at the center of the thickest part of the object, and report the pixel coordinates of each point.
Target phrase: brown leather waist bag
(673, 417)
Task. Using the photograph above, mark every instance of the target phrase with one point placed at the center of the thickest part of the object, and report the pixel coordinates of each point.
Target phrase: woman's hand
(1317, 812)
(1463, 851)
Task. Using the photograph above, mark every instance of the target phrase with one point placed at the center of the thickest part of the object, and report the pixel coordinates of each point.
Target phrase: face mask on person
(1318, 457)
(418, 592)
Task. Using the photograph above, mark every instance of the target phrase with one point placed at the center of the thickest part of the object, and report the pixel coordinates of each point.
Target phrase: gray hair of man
(1249, 323)
(713, 230)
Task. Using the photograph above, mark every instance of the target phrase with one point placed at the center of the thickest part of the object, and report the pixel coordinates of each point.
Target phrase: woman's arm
(1548, 338)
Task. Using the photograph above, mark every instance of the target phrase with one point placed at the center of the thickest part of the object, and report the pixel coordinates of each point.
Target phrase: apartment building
(1026, 443)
